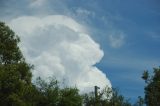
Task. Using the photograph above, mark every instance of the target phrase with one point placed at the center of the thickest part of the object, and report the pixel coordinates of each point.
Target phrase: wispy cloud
(154, 35)
(37, 2)
(84, 12)
(117, 40)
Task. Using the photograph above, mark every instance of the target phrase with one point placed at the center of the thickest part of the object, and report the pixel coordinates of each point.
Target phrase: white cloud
(84, 12)
(116, 40)
(37, 2)
(59, 46)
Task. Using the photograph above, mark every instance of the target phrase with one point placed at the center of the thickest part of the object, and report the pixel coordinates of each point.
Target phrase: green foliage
(140, 101)
(89, 99)
(9, 51)
(152, 88)
(15, 75)
(48, 92)
(52, 95)
(118, 100)
(70, 97)
(107, 97)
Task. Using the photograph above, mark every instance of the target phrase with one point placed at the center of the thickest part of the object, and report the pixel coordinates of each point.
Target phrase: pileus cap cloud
(59, 46)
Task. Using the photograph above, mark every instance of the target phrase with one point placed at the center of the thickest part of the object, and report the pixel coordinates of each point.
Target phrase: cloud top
(59, 46)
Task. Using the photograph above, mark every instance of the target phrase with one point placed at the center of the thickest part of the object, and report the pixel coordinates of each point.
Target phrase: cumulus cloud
(59, 46)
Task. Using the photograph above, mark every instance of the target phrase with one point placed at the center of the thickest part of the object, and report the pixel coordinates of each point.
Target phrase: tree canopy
(15, 74)
(152, 88)
(9, 52)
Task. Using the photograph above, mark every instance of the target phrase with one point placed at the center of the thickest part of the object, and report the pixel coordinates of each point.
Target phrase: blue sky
(128, 32)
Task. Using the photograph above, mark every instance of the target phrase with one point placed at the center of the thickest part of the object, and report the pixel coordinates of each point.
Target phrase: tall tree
(152, 88)
(15, 75)
(9, 50)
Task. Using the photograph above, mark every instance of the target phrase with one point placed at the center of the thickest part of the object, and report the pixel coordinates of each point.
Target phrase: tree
(107, 97)
(50, 94)
(9, 51)
(15, 75)
(89, 99)
(70, 97)
(140, 101)
(152, 88)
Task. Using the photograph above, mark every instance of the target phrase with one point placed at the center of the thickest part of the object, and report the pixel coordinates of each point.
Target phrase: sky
(88, 42)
